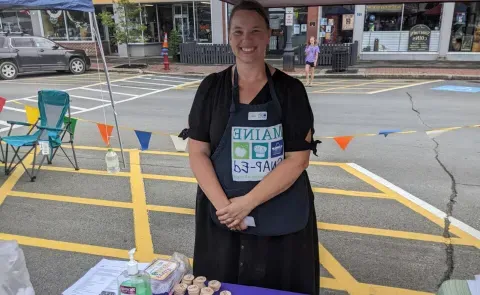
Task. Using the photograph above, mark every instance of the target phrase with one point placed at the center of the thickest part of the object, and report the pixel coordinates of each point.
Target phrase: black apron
(252, 146)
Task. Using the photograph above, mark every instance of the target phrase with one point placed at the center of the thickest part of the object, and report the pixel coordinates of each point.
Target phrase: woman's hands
(234, 214)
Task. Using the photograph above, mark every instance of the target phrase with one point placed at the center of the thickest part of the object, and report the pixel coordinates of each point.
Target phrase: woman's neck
(251, 72)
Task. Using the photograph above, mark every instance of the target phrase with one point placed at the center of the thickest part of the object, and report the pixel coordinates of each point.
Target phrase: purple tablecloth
(247, 290)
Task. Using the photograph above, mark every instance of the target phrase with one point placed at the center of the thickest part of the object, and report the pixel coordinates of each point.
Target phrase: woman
(251, 133)
(311, 58)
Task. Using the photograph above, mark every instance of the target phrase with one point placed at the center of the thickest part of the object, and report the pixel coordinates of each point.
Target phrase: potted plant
(174, 41)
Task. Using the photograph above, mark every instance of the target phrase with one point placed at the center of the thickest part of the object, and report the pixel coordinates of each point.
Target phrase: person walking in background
(311, 59)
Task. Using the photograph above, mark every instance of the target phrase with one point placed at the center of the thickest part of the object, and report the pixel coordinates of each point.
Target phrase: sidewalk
(363, 70)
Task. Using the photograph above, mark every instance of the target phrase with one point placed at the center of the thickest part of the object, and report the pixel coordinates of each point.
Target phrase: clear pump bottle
(133, 281)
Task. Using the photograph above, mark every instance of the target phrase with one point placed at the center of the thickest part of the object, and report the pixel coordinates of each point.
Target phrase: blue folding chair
(49, 134)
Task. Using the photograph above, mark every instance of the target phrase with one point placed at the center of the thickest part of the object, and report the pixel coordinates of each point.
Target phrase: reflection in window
(204, 22)
(149, 19)
(465, 34)
(54, 25)
(78, 24)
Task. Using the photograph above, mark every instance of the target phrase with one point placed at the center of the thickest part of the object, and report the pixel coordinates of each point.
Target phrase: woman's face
(249, 36)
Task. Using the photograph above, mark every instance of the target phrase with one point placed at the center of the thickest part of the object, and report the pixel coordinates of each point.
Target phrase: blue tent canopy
(79, 5)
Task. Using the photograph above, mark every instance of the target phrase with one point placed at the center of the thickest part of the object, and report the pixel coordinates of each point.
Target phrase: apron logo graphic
(277, 148)
(241, 150)
(256, 151)
(260, 150)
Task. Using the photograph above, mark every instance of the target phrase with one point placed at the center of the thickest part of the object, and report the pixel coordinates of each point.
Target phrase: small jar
(207, 291)
(225, 293)
(188, 279)
(215, 285)
(193, 290)
(200, 282)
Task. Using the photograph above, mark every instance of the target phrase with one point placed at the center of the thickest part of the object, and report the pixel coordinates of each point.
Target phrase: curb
(319, 76)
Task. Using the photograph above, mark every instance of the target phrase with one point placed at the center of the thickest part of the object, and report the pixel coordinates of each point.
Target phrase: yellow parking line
(179, 154)
(143, 236)
(404, 86)
(343, 92)
(350, 193)
(8, 185)
(84, 171)
(337, 270)
(391, 233)
(168, 209)
(170, 178)
(332, 284)
(70, 199)
(317, 163)
(346, 86)
(66, 246)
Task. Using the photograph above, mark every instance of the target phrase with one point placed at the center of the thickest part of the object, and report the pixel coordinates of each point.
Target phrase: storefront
(420, 31)
(336, 24)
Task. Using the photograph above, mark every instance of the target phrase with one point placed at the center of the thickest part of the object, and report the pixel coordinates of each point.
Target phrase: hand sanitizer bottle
(111, 159)
(132, 281)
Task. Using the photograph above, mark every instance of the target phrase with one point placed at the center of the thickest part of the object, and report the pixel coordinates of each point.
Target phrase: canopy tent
(298, 3)
(78, 5)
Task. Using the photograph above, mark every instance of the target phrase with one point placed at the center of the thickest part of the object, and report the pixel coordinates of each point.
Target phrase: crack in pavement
(449, 210)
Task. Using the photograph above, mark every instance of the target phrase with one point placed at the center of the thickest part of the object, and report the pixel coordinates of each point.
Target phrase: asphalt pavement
(380, 203)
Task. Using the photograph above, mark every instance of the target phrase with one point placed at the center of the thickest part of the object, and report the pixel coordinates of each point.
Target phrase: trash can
(340, 59)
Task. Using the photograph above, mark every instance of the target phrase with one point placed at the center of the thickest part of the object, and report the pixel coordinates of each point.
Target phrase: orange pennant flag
(105, 132)
(343, 141)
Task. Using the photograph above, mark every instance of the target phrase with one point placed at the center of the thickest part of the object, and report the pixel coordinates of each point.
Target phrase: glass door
(181, 20)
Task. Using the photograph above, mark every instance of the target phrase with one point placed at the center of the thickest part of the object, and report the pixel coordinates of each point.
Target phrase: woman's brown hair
(251, 5)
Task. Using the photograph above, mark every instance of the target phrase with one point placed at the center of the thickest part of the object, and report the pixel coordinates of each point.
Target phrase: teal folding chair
(49, 134)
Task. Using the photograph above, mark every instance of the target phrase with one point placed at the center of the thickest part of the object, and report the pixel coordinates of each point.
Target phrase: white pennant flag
(179, 143)
(435, 133)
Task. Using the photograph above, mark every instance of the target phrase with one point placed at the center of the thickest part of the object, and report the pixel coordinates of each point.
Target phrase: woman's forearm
(280, 179)
(207, 179)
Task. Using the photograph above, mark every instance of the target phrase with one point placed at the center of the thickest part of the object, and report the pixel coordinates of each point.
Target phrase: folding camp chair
(49, 134)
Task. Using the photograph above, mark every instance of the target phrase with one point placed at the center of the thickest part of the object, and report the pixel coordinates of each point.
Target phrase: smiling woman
(251, 133)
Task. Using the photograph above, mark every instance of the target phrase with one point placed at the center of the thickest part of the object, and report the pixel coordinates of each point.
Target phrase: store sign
(289, 10)
(385, 8)
(419, 38)
(289, 19)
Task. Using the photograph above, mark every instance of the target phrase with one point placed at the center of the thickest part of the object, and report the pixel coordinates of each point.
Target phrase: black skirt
(289, 263)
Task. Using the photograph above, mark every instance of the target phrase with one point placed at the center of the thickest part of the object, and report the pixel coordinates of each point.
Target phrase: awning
(79, 5)
(298, 3)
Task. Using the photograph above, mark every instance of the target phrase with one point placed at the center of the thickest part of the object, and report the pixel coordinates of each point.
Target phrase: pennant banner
(179, 143)
(73, 124)
(143, 138)
(105, 132)
(2, 103)
(343, 141)
(387, 132)
(32, 114)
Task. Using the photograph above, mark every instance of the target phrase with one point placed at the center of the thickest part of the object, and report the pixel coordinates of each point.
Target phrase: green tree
(128, 28)
(174, 40)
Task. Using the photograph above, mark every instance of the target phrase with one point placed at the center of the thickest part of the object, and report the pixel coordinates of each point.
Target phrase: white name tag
(257, 116)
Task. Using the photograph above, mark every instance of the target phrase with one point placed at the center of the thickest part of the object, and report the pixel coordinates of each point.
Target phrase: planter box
(140, 49)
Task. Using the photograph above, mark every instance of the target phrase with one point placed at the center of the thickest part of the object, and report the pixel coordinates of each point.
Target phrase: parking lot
(380, 203)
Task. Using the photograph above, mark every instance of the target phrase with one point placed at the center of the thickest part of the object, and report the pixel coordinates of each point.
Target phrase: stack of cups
(200, 282)
(180, 289)
(193, 290)
(207, 291)
(215, 285)
(225, 293)
(188, 280)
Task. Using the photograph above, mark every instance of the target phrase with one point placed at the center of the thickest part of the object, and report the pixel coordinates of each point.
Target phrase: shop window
(54, 25)
(16, 21)
(388, 27)
(78, 26)
(204, 22)
(300, 19)
(465, 34)
(149, 19)
(336, 24)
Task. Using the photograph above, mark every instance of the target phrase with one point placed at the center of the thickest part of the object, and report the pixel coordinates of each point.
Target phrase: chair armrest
(50, 128)
(19, 123)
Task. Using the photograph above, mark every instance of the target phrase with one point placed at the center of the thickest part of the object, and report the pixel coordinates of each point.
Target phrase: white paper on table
(101, 279)
(474, 286)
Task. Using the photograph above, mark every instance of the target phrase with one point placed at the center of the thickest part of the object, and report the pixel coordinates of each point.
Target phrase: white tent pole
(107, 76)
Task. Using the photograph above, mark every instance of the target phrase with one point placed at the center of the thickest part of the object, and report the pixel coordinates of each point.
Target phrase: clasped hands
(233, 214)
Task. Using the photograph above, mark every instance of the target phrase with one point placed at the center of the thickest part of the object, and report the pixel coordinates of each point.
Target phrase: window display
(465, 35)
(61, 25)
(390, 27)
(16, 21)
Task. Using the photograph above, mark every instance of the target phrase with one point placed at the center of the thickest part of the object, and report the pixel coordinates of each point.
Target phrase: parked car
(23, 53)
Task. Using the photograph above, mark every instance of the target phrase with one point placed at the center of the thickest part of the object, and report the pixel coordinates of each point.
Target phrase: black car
(22, 54)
